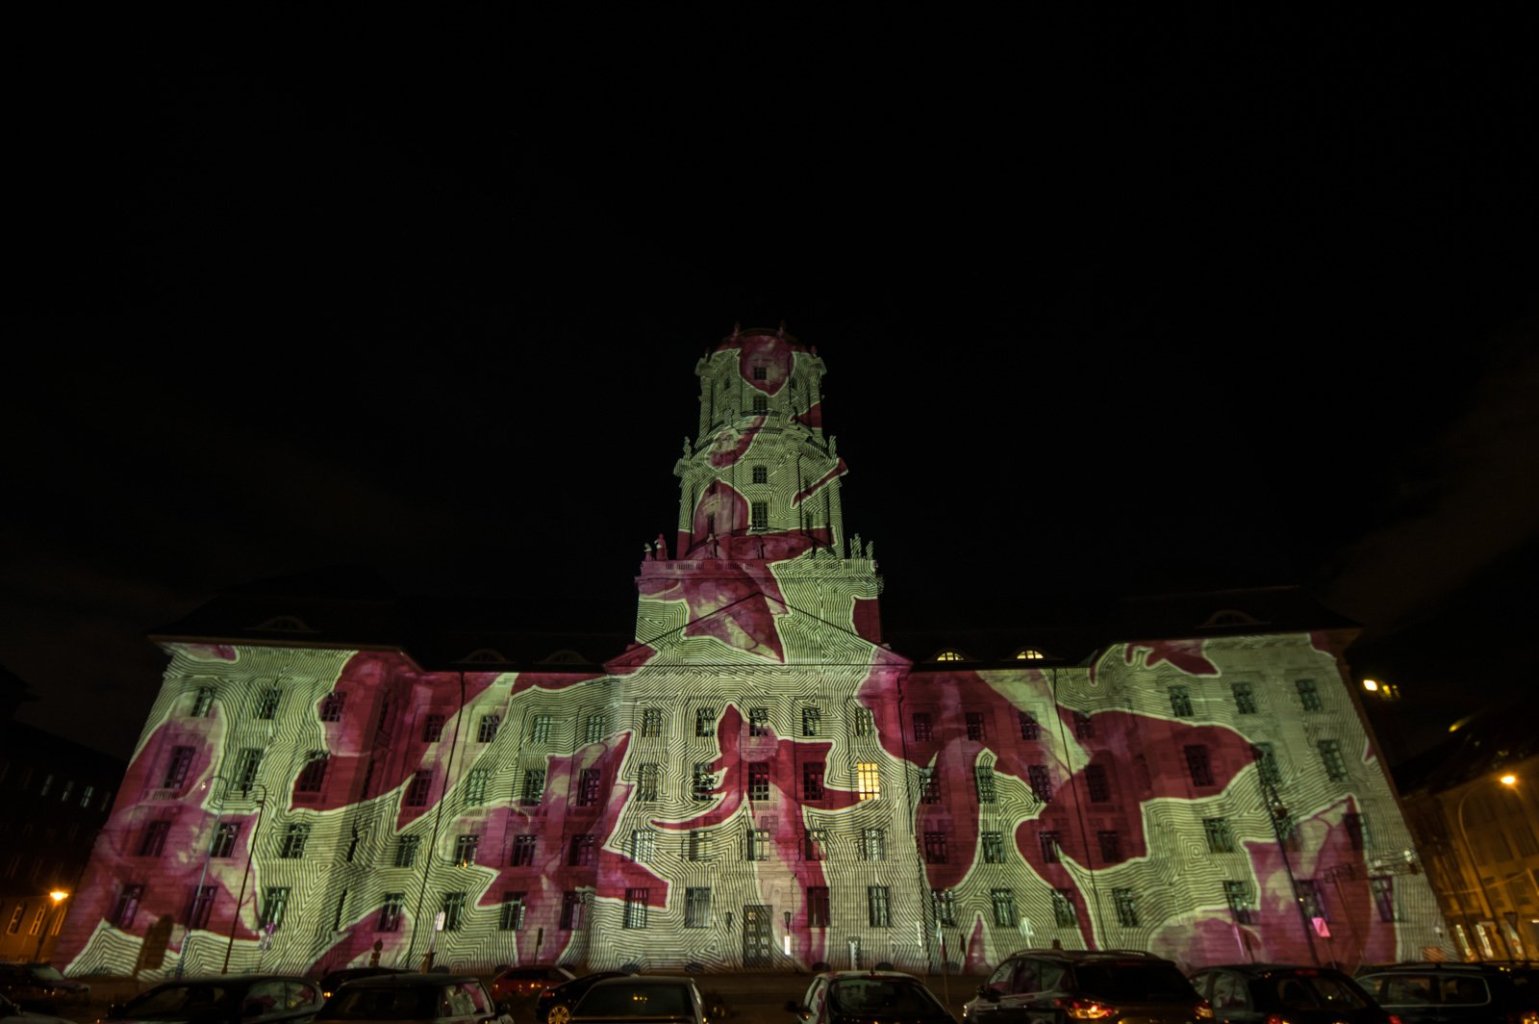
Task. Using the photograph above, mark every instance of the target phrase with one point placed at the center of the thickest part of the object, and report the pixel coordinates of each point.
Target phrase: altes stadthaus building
(760, 779)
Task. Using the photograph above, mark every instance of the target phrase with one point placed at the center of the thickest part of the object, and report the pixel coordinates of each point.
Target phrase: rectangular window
(993, 847)
(295, 836)
(697, 907)
(454, 911)
(636, 908)
(127, 907)
(1030, 729)
(1198, 764)
(1003, 901)
(1097, 784)
(1220, 836)
(274, 905)
(1237, 895)
(758, 781)
(465, 847)
(815, 844)
(1127, 907)
(523, 850)
(1244, 698)
(758, 722)
(1084, 728)
(534, 786)
(864, 724)
(760, 405)
(703, 782)
(945, 907)
(868, 781)
(1383, 889)
(539, 728)
(154, 841)
(176, 771)
(583, 851)
(417, 789)
(935, 847)
(643, 845)
(975, 725)
(588, 787)
(651, 723)
(760, 373)
(573, 905)
(759, 515)
(595, 729)
(699, 845)
(1266, 764)
(1312, 899)
(878, 906)
(1049, 842)
(390, 912)
(983, 778)
(1353, 823)
(331, 706)
(873, 844)
(924, 731)
(1181, 701)
(812, 721)
(203, 702)
(312, 777)
(225, 834)
(761, 474)
(647, 782)
(1110, 841)
(202, 905)
(1309, 696)
(705, 721)
(1335, 764)
(475, 786)
(487, 731)
(1040, 782)
(929, 785)
(817, 906)
(406, 851)
(247, 763)
(758, 844)
(812, 781)
(432, 728)
(511, 917)
(267, 704)
(1064, 914)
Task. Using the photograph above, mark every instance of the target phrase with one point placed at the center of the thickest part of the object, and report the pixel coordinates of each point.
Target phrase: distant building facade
(54, 796)
(758, 780)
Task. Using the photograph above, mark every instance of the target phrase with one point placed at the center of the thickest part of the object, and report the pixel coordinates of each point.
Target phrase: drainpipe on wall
(438, 812)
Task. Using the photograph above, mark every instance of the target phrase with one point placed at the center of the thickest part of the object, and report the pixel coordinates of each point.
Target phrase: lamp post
(1509, 780)
(58, 896)
(240, 899)
(181, 958)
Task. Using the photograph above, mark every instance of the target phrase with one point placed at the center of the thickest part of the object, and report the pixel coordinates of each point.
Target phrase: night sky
(1123, 302)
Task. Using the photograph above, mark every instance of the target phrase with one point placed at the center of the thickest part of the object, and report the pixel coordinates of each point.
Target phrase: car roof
(1083, 955)
(1263, 969)
(645, 979)
(405, 980)
(228, 979)
(839, 975)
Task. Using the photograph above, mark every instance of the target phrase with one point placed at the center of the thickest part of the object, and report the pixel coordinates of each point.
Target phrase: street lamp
(58, 896)
(250, 853)
(1509, 780)
(192, 910)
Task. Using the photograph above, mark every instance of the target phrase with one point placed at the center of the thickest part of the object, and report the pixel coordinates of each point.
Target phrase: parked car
(41, 987)
(554, 1004)
(529, 980)
(1246, 993)
(10, 1013)
(225, 999)
(869, 997)
(420, 998)
(333, 980)
(1060, 985)
(1444, 993)
(641, 999)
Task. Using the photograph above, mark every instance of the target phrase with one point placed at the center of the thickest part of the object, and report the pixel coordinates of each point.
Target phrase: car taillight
(1523, 1017)
(1395, 1019)
(1204, 1010)
(1273, 1018)
(1086, 1009)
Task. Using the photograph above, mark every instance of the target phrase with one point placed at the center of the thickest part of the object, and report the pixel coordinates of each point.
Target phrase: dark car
(10, 1013)
(41, 987)
(554, 1004)
(529, 980)
(421, 998)
(869, 997)
(334, 980)
(225, 999)
(1443, 993)
(641, 999)
(1254, 993)
(1054, 986)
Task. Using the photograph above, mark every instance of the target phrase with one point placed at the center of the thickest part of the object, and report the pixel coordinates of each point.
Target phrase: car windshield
(880, 996)
(174, 1002)
(1315, 992)
(418, 1002)
(636, 1001)
(1134, 982)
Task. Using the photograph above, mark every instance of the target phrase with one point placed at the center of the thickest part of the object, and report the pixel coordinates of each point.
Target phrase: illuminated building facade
(759, 779)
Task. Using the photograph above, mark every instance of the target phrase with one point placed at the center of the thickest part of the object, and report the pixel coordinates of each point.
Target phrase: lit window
(1029, 654)
(949, 655)
(868, 781)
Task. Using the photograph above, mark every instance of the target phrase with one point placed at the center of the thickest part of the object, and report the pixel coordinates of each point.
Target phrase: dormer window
(951, 655)
(1029, 654)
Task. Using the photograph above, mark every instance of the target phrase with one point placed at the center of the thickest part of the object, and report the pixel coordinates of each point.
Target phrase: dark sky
(1126, 302)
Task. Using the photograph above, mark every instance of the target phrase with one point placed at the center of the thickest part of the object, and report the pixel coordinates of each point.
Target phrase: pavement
(750, 998)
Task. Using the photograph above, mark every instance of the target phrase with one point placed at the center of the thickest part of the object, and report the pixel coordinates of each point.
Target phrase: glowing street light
(1509, 780)
(58, 896)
